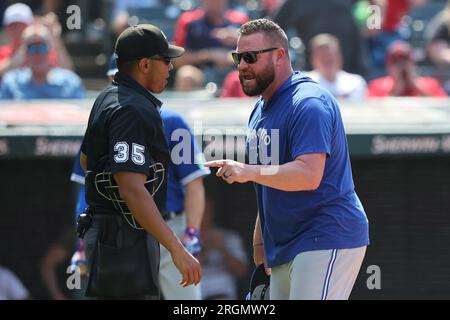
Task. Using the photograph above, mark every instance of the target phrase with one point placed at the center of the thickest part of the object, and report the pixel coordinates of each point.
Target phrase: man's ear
(144, 65)
(281, 53)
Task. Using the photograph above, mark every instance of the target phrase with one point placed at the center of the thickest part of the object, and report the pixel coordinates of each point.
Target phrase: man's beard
(263, 80)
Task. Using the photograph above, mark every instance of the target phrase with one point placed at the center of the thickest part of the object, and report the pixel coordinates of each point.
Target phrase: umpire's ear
(144, 65)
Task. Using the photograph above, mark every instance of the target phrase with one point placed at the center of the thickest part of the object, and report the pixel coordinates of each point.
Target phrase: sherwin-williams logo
(57, 147)
(410, 145)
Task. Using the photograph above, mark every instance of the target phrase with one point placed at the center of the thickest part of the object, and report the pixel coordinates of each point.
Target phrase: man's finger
(200, 275)
(190, 278)
(219, 172)
(216, 163)
(184, 280)
(196, 277)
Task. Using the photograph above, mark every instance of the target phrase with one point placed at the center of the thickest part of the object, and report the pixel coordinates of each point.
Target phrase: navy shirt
(178, 134)
(302, 118)
(199, 34)
(125, 134)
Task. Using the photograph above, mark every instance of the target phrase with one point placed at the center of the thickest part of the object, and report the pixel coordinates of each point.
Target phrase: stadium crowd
(357, 49)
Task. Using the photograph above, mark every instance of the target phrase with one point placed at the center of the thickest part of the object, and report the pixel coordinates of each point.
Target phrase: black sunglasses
(166, 60)
(248, 56)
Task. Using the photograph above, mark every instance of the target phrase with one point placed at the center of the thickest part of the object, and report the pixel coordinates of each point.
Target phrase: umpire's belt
(170, 215)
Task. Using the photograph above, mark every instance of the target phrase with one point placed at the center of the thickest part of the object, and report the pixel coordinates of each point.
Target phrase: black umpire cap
(143, 41)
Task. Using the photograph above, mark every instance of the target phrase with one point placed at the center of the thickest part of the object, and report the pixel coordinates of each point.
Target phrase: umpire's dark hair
(272, 30)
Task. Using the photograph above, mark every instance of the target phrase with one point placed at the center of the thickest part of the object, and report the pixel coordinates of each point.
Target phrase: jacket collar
(128, 81)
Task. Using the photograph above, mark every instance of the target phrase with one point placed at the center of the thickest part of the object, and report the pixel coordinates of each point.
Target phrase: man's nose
(242, 65)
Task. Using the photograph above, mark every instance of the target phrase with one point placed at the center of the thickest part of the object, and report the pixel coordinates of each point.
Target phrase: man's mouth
(247, 77)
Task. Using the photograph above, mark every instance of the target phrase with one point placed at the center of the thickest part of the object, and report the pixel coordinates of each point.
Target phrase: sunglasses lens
(236, 58)
(41, 48)
(249, 57)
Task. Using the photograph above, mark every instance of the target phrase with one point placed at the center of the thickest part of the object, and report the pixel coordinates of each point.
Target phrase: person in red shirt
(209, 34)
(380, 37)
(231, 87)
(15, 19)
(402, 80)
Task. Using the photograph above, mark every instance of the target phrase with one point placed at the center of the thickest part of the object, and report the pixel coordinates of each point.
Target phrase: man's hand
(259, 258)
(232, 171)
(398, 73)
(50, 20)
(228, 35)
(188, 266)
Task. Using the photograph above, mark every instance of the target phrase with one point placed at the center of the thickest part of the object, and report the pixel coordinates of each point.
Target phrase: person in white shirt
(326, 59)
(11, 288)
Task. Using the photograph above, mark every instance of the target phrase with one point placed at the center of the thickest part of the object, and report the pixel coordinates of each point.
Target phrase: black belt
(172, 214)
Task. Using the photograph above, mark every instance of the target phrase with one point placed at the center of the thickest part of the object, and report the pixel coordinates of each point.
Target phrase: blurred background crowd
(355, 48)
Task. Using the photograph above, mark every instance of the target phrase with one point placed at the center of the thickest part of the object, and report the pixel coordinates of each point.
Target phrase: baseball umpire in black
(125, 156)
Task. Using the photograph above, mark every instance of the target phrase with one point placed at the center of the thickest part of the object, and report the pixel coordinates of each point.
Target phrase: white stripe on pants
(317, 275)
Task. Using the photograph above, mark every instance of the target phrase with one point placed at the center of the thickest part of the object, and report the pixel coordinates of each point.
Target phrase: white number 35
(123, 153)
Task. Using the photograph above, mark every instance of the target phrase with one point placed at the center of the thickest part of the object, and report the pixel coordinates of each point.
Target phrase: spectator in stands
(231, 87)
(438, 36)
(39, 79)
(209, 34)
(122, 9)
(402, 80)
(189, 78)
(326, 59)
(310, 18)
(223, 259)
(16, 18)
(270, 7)
(11, 288)
(380, 37)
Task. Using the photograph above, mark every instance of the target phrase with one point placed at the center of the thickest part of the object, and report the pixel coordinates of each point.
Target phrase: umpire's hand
(188, 266)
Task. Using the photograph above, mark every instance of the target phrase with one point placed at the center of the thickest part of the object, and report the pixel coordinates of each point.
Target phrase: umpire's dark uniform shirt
(124, 133)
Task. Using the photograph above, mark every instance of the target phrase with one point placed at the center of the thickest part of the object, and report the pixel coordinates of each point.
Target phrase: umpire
(125, 156)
